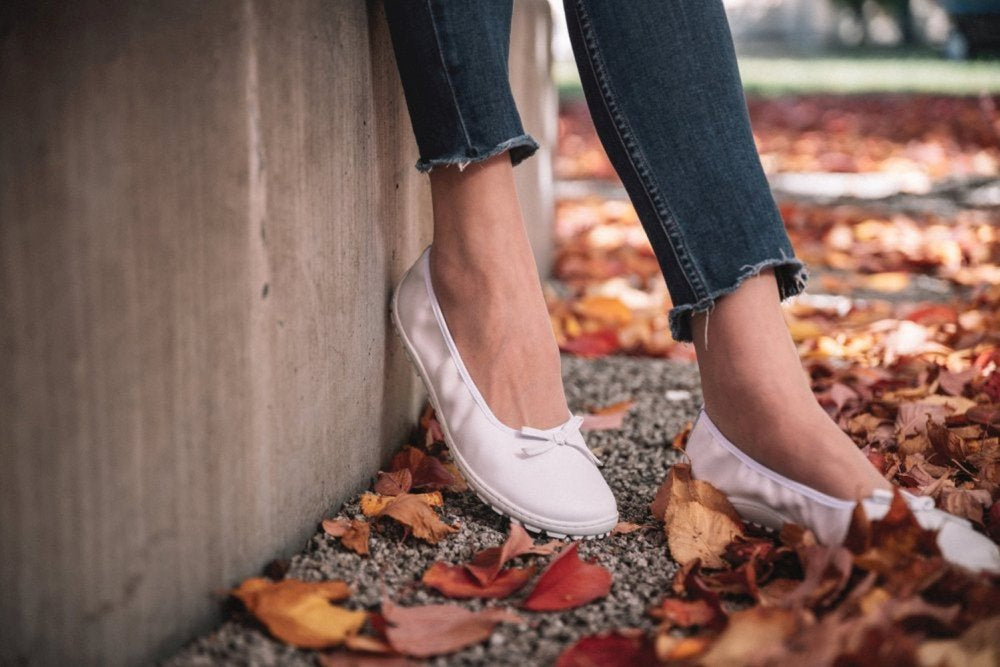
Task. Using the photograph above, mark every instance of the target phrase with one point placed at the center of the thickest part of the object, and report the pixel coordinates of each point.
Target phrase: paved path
(636, 460)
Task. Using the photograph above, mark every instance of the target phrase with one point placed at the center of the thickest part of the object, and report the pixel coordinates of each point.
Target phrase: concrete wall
(203, 208)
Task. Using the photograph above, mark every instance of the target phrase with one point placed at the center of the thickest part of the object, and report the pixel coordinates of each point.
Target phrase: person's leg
(663, 88)
(452, 59)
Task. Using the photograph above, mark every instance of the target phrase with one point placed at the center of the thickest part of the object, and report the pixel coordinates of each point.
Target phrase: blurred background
(878, 127)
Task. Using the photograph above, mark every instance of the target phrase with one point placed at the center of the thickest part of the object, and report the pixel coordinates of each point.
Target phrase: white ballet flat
(765, 497)
(545, 479)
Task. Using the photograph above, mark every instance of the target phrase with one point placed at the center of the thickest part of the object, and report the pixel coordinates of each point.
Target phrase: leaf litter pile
(915, 381)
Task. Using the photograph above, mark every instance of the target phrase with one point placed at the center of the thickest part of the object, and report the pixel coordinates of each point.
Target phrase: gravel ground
(636, 459)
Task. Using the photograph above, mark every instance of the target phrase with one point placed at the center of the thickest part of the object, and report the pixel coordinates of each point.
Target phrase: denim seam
(447, 74)
(521, 140)
(678, 245)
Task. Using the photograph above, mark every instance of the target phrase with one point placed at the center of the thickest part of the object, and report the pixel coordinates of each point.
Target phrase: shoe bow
(560, 437)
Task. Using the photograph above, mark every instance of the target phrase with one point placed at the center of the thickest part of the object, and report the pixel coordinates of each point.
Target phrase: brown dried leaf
(394, 483)
(353, 533)
(698, 519)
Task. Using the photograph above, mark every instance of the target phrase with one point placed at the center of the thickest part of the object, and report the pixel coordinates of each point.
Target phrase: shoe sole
(482, 494)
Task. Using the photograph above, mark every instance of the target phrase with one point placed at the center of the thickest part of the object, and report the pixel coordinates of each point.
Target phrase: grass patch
(845, 74)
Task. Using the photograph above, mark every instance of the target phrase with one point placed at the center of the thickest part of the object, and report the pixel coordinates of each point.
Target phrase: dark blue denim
(663, 88)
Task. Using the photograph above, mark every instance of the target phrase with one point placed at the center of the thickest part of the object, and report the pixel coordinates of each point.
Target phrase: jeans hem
(790, 273)
(521, 148)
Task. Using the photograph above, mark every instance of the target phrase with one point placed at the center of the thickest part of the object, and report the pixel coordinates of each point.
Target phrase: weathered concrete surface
(203, 206)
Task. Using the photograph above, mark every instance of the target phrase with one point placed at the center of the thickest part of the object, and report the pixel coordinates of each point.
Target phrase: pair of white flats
(548, 479)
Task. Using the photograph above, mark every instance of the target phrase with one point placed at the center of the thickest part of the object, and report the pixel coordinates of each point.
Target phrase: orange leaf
(568, 582)
(455, 581)
(299, 612)
(353, 534)
(414, 513)
(440, 628)
(605, 309)
(372, 504)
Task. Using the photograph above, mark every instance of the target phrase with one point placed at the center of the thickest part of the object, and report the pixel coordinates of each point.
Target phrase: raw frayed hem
(521, 148)
(790, 273)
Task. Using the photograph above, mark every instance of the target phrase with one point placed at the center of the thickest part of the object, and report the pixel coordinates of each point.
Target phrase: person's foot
(486, 281)
(758, 395)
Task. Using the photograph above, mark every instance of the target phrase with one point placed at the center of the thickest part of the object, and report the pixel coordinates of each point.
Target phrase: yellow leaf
(299, 612)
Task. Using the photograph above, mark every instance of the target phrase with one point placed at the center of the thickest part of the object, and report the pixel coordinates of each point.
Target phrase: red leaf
(568, 582)
(455, 581)
(620, 648)
(486, 564)
(590, 345)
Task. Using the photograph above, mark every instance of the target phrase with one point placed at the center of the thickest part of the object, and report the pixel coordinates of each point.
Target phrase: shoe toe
(972, 550)
(562, 492)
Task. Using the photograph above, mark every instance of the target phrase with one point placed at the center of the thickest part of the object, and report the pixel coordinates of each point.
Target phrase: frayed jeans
(662, 85)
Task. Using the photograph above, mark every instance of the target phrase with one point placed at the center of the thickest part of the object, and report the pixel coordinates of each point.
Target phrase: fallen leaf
(625, 527)
(353, 533)
(751, 635)
(568, 582)
(670, 648)
(604, 309)
(617, 649)
(439, 629)
(900, 550)
(345, 659)
(373, 504)
(687, 613)
(968, 503)
(486, 564)
(455, 581)
(427, 472)
(299, 612)
(416, 514)
(695, 531)
(592, 345)
(698, 519)
(611, 417)
(394, 483)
